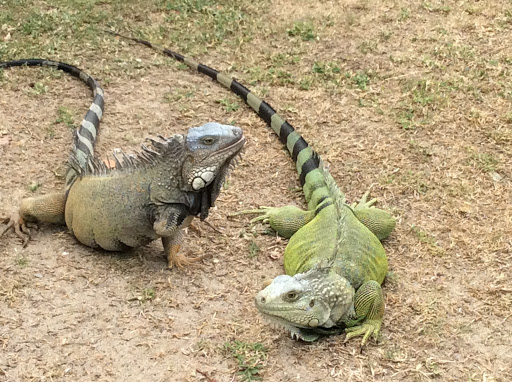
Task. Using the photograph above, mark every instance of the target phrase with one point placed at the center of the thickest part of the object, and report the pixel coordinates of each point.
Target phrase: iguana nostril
(262, 300)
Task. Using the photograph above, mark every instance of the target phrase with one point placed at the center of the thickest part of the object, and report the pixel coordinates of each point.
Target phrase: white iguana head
(307, 304)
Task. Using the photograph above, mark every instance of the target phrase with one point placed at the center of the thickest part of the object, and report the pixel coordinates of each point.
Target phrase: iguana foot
(18, 225)
(182, 261)
(367, 329)
(380, 222)
(194, 229)
(363, 203)
(285, 220)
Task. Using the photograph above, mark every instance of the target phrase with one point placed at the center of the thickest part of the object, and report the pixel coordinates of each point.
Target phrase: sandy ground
(431, 132)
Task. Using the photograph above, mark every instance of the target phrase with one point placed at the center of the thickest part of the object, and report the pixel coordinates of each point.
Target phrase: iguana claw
(367, 329)
(16, 222)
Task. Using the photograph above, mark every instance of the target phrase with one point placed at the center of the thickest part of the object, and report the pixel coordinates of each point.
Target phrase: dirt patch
(413, 98)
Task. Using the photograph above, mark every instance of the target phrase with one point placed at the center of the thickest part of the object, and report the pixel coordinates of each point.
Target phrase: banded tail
(85, 136)
(307, 161)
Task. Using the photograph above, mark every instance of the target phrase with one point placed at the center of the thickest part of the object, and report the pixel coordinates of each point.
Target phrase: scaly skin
(154, 194)
(334, 253)
(339, 263)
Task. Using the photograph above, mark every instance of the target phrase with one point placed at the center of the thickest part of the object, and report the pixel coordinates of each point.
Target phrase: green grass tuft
(229, 105)
(304, 30)
(22, 261)
(254, 249)
(34, 186)
(65, 116)
(250, 358)
(483, 161)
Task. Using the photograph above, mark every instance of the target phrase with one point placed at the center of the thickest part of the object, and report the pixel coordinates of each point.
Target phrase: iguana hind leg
(46, 208)
(369, 310)
(378, 221)
(284, 220)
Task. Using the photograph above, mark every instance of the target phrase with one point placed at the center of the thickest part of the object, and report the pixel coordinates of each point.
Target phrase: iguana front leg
(170, 224)
(284, 220)
(378, 221)
(369, 310)
(46, 208)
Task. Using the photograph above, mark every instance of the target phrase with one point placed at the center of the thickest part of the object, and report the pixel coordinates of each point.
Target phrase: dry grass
(413, 97)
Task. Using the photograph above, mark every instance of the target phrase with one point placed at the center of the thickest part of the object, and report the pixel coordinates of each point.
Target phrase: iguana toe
(182, 261)
(263, 217)
(363, 203)
(260, 210)
(370, 328)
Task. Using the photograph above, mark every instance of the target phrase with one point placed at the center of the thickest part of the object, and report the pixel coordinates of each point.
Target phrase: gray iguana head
(308, 304)
(186, 169)
(209, 150)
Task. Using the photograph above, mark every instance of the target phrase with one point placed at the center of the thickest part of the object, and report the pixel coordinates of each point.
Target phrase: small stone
(496, 177)
(38, 275)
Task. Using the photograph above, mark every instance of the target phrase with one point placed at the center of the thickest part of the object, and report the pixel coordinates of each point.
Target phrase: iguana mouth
(296, 332)
(281, 322)
(233, 147)
(301, 332)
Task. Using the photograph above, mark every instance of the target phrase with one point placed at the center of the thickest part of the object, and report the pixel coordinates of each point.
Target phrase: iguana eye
(208, 141)
(291, 295)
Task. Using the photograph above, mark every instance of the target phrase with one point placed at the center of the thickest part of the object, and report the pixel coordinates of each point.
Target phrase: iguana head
(209, 150)
(307, 304)
(188, 169)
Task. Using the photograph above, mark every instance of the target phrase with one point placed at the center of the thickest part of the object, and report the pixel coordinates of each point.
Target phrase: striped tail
(85, 136)
(305, 158)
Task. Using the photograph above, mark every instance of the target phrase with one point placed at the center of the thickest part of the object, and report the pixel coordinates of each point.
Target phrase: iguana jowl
(334, 260)
(152, 194)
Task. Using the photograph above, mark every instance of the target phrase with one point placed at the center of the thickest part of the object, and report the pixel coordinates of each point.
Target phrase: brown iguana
(152, 194)
(334, 261)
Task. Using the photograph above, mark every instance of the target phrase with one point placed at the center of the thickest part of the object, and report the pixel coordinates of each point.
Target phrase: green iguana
(152, 194)
(334, 260)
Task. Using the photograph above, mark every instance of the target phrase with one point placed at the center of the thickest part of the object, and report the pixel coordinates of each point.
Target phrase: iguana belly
(107, 214)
